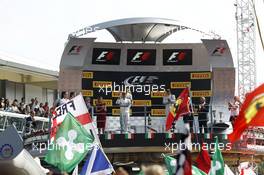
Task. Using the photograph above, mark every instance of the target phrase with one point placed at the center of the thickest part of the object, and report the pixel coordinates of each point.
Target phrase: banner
(106, 56)
(177, 57)
(141, 57)
(147, 88)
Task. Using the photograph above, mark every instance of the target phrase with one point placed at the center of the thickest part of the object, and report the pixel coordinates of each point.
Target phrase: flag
(129, 136)
(75, 171)
(180, 107)
(141, 173)
(228, 171)
(70, 146)
(78, 109)
(170, 163)
(203, 160)
(251, 113)
(97, 163)
(170, 135)
(208, 136)
(149, 135)
(184, 163)
(197, 171)
(109, 136)
(218, 165)
(224, 137)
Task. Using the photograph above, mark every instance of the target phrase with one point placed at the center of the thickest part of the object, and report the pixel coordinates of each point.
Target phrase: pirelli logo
(158, 94)
(180, 85)
(141, 102)
(87, 93)
(158, 112)
(87, 75)
(107, 102)
(102, 84)
(116, 94)
(116, 112)
(202, 75)
(201, 93)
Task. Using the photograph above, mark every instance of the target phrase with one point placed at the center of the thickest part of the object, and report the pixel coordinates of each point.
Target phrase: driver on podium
(125, 104)
(168, 101)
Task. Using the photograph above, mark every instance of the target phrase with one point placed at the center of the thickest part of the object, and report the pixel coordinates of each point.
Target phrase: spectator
(88, 105)
(8, 107)
(125, 105)
(154, 170)
(64, 98)
(72, 95)
(22, 105)
(46, 107)
(32, 104)
(36, 105)
(14, 107)
(233, 107)
(202, 111)
(2, 104)
(100, 110)
(30, 122)
(41, 110)
(27, 110)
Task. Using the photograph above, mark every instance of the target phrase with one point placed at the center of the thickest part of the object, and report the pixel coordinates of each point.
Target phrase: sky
(37, 30)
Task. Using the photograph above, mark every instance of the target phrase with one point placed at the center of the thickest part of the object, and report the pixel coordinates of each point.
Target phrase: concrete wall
(13, 90)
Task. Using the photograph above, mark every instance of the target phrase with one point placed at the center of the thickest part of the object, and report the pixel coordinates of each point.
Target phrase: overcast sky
(38, 29)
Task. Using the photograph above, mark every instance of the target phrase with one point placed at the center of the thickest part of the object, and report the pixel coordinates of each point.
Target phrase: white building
(20, 77)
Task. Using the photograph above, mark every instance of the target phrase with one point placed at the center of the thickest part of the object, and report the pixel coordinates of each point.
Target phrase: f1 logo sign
(105, 56)
(75, 50)
(109, 56)
(141, 56)
(176, 56)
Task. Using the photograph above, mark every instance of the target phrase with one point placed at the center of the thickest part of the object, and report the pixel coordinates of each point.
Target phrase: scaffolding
(246, 46)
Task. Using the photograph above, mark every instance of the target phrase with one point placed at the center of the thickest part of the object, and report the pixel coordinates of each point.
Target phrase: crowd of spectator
(40, 109)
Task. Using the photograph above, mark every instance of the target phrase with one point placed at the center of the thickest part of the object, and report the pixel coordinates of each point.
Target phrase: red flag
(181, 107)
(251, 113)
(204, 161)
(184, 163)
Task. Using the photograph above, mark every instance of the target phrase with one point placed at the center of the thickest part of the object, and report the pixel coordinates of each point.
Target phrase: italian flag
(129, 136)
(109, 136)
(224, 137)
(170, 135)
(149, 135)
(208, 136)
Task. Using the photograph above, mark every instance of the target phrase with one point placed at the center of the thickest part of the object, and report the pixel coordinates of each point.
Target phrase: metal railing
(19, 121)
(142, 120)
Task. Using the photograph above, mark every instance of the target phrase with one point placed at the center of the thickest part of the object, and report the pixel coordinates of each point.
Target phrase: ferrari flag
(180, 107)
(251, 113)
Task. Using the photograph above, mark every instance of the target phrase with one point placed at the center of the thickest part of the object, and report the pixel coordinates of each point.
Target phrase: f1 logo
(141, 56)
(105, 56)
(176, 57)
(75, 50)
